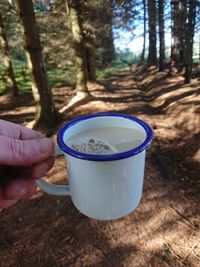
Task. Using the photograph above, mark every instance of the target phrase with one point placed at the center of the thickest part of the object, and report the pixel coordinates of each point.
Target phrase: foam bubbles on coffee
(106, 140)
(92, 145)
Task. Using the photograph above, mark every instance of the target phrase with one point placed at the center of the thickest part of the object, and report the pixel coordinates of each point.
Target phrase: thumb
(16, 152)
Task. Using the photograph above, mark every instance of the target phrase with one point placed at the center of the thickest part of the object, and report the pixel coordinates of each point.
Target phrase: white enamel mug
(103, 187)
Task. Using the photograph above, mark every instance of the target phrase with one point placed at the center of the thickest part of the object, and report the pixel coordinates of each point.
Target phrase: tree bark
(78, 42)
(7, 60)
(90, 59)
(175, 49)
(89, 36)
(144, 30)
(46, 114)
(182, 28)
(191, 16)
(161, 34)
(152, 57)
(107, 44)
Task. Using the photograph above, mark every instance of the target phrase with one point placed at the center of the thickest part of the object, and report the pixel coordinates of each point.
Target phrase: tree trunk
(175, 49)
(191, 16)
(78, 42)
(182, 26)
(107, 44)
(89, 37)
(10, 77)
(161, 34)
(46, 115)
(152, 57)
(108, 47)
(90, 59)
(144, 29)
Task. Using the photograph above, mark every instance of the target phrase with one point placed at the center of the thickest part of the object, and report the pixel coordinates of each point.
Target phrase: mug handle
(52, 189)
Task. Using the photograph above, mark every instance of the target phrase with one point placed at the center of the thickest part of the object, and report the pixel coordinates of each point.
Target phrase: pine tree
(161, 34)
(46, 114)
(78, 44)
(152, 56)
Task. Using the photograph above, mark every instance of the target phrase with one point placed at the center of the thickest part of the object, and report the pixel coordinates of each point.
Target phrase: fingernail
(46, 145)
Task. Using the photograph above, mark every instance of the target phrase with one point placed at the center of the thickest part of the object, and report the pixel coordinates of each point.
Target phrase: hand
(25, 155)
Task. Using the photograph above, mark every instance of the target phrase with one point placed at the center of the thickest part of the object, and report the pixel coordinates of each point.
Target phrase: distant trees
(183, 19)
(183, 26)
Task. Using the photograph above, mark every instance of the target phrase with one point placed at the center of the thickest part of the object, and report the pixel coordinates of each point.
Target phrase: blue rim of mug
(110, 157)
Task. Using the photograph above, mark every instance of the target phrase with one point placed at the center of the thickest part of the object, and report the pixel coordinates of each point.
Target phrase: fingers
(16, 131)
(18, 189)
(21, 146)
(39, 170)
(5, 203)
(24, 152)
(24, 187)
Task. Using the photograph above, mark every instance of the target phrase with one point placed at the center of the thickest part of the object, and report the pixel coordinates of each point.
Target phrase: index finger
(16, 152)
(16, 131)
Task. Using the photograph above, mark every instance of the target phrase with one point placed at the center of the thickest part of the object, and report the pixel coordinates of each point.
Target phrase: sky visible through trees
(133, 40)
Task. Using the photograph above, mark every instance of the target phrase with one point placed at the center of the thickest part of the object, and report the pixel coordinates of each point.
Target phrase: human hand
(25, 155)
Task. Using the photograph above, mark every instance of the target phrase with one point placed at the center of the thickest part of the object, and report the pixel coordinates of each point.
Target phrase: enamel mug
(103, 187)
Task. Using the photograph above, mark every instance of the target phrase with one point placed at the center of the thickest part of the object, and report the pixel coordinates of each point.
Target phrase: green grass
(61, 77)
(107, 72)
(57, 77)
(22, 77)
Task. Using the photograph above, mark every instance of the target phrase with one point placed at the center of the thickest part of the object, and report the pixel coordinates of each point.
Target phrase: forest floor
(164, 231)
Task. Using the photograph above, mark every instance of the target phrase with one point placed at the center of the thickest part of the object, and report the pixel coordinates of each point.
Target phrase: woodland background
(63, 59)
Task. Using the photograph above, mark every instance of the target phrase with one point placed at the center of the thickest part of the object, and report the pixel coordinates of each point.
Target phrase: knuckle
(16, 147)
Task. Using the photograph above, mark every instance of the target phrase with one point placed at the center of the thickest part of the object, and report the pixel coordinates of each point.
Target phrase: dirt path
(164, 231)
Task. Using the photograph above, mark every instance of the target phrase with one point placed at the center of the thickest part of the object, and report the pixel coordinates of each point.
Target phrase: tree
(90, 55)
(182, 28)
(152, 56)
(144, 29)
(107, 37)
(7, 60)
(46, 113)
(78, 43)
(161, 34)
(175, 49)
(190, 26)
(55, 33)
(127, 58)
(88, 13)
(105, 51)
